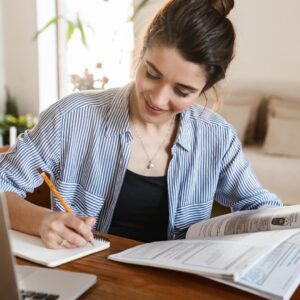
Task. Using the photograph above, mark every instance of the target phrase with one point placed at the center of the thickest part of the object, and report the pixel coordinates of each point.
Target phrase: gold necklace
(150, 164)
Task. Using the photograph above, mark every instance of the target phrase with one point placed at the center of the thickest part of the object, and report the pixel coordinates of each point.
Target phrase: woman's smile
(153, 109)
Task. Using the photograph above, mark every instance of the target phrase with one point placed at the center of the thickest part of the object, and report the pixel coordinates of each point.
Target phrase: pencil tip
(40, 170)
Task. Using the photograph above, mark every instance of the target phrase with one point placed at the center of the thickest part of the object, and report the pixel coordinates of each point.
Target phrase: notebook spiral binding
(98, 236)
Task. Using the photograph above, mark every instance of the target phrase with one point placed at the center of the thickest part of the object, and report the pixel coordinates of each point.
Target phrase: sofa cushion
(252, 100)
(284, 109)
(239, 117)
(282, 137)
(278, 174)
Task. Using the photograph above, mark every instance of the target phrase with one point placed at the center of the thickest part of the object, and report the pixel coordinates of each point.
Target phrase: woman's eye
(181, 94)
(150, 76)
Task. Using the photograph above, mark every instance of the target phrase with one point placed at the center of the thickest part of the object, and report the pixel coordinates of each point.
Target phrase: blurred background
(38, 71)
(50, 48)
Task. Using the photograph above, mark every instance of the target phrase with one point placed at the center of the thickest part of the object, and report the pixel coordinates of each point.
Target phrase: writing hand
(63, 230)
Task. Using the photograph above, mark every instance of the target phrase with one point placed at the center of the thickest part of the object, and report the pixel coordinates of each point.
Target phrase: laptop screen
(8, 282)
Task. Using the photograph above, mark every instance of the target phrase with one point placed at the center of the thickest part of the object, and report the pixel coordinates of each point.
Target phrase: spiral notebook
(32, 248)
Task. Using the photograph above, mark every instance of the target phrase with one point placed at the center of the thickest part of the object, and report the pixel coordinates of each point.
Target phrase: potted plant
(12, 118)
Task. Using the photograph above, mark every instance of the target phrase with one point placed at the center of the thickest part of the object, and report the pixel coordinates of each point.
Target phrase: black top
(142, 211)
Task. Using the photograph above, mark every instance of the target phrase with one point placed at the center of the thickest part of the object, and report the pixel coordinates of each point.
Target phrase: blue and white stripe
(83, 140)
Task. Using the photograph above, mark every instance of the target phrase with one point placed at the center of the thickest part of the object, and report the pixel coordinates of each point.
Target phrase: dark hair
(199, 30)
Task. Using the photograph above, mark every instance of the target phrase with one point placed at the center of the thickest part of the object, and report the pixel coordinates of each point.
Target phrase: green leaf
(11, 120)
(82, 33)
(70, 30)
(49, 23)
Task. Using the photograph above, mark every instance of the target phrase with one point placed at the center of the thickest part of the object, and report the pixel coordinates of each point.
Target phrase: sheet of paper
(222, 258)
(32, 248)
(264, 219)
(276, 276)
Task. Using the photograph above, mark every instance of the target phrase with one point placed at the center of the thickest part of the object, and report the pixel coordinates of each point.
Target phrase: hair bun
(223, 6)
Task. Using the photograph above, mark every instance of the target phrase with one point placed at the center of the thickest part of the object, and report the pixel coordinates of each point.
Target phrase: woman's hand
(62, 230)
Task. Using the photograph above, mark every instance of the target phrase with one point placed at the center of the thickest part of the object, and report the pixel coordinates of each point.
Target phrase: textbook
(31, 248)
(257, 251)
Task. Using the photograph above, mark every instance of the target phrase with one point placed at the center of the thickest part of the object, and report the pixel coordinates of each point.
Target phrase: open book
(257, 251)
(32, 248)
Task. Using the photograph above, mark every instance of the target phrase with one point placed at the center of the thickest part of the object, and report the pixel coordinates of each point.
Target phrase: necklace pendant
(150, 165)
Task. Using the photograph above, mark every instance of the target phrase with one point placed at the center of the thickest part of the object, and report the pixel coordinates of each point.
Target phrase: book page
(222, 258)
(276, 275)
(263, 219)
(32, 248)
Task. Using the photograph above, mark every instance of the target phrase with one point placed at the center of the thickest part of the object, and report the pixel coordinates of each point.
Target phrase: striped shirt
(83, 140)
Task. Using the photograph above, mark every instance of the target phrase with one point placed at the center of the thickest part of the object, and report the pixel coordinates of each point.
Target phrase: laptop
(27, 282)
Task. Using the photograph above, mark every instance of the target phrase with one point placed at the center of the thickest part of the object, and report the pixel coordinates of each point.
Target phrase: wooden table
(4, 148)
(124, 281)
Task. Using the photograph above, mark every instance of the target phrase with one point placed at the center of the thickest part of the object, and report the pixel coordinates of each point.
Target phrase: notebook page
(32, 248)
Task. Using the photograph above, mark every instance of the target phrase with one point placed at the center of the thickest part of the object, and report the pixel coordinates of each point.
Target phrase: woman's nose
(161, 97)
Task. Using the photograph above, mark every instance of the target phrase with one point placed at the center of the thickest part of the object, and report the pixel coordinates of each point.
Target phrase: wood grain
(128, 282)
(4, 148)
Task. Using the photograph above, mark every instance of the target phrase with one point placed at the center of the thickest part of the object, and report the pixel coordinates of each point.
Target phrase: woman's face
(166, 84)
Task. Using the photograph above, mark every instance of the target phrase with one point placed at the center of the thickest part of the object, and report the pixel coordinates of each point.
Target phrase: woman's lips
(154, 110)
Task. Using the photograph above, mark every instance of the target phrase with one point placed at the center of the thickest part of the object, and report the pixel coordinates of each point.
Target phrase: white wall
(20, 53)
(268, 46)
(140, 24)
(47, 55)
(144, 15)
(2, 69)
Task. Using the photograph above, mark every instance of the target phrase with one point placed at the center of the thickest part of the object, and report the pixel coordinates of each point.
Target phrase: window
(109, 43)
(47, 55)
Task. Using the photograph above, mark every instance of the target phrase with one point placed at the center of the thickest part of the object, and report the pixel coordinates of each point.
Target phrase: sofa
(269, 128)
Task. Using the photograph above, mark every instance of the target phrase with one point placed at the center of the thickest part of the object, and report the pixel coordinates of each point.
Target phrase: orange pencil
(57, 194)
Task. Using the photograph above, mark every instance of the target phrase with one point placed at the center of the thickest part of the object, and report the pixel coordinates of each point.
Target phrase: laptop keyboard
(26, 295)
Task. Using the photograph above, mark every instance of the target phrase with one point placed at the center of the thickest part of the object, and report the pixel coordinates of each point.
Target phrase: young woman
(143, 161)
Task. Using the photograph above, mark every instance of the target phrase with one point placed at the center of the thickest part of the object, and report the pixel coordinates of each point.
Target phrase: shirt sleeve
(36, 148)
(238, 187)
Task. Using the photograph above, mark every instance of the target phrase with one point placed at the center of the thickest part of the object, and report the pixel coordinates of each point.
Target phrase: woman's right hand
(57, 229)
(63, 230)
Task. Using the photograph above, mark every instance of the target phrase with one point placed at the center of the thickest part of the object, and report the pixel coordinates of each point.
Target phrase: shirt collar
(185, 131)
(117, 119)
